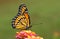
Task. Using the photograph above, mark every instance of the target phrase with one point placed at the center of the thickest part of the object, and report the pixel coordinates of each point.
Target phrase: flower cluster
(27, 34)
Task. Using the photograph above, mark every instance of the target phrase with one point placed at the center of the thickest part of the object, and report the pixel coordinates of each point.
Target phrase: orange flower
(27, 34)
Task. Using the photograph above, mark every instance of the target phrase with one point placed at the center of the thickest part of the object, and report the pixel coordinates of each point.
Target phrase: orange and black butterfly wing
(28, 21)
(22, 20)
(17, 16)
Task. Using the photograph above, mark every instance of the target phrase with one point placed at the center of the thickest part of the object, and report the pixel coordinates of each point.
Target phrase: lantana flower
(27, 34)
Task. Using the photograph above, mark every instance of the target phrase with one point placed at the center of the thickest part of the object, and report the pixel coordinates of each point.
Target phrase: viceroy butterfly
(22, 19)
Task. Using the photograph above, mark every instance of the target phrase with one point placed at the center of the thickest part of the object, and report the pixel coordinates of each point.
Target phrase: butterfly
(22, 19)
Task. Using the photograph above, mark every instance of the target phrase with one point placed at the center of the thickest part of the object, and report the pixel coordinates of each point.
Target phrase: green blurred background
(44, 14)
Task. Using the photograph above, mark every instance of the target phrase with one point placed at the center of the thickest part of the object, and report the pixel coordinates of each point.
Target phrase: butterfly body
(22, 19)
